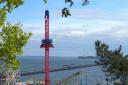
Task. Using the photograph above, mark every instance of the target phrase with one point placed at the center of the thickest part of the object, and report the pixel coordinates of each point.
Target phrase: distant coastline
(87, 57)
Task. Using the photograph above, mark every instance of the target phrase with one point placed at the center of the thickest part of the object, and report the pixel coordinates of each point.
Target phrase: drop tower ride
(47, 43)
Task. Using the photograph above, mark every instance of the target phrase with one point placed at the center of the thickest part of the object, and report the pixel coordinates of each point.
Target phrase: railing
(78, 78)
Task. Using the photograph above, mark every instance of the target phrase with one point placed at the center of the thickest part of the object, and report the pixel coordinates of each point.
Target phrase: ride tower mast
(47, 43)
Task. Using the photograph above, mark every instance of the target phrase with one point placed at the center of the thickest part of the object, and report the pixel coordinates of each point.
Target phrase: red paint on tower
(47, 43)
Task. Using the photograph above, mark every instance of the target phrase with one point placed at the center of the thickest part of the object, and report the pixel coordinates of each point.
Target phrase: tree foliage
(12, 40)
(7, 6)
(114, 62)
(2, 16)
(10, 4)
(66, 10)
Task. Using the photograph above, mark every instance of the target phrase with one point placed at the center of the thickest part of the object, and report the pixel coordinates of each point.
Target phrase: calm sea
(28, 63)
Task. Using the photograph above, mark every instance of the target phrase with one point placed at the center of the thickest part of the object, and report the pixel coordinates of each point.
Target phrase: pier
(78, 78)
(56, 69)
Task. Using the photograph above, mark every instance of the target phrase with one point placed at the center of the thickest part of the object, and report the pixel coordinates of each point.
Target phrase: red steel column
(47, 43)
(47, 79)
(46, 27)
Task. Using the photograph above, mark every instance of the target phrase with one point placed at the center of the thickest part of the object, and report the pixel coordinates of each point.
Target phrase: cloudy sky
(104, 20)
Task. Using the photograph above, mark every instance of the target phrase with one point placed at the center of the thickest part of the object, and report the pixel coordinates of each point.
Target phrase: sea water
(35, 63)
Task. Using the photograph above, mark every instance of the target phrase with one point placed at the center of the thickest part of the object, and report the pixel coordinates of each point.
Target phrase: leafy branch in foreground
(12, 41)
(10, 4)
(7, 6)
(114, 62)
(2, 16)
(66, 11)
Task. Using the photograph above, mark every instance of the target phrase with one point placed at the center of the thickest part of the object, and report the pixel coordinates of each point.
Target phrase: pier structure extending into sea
(74, 78)
(77, 78)
(26, 73)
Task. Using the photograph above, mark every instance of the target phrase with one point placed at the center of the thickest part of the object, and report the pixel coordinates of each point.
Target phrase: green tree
(113, 62)
(12, 41)
(7, 6)
(2, 16)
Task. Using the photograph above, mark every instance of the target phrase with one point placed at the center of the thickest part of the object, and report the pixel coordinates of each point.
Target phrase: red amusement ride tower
(47, 43)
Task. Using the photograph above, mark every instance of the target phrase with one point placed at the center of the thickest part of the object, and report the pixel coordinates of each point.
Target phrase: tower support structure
(46, 44)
